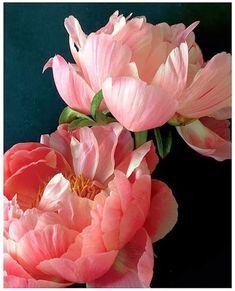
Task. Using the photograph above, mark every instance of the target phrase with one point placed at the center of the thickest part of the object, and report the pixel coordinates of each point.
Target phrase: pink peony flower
(141, 65)
(153, 71)
(94, 224)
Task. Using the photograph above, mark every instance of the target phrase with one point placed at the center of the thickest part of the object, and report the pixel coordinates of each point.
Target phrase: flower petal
(75, 31)
(85, 153)
(172, 76)
(205, 141)
(107, 139)
(163, 211)
(127, 207)
(18, 282)
(47, 243)
(135, 158)
(57, 190)
(12, 267)
(73, 89)
(28, 180)
(102, 57)
(133, 267)
(148, 106)
(210, 90)
(83, 270)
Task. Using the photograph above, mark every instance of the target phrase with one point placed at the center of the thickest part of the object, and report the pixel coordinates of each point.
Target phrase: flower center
(83, 186)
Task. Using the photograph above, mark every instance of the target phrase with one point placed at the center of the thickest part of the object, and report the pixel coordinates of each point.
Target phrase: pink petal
(60, 141)
(137, 35)
(73, 89)
(157, 56)
(124, 147)
(224, 113)
(75, 212)
(127, 207)
(172, 76)
(75, 31)
(102, 57)
(136, 105)
(220, 127)
(83, 270)
(12, 267)
(18, 282)
(210, 90)
(107, 139)
(182, 36)
(115, 24)
(56, 191)
(47, 243)
(85, 153)
(29, 168)
(133, 267)
(134, 159)
(163, 211)
(205, 141)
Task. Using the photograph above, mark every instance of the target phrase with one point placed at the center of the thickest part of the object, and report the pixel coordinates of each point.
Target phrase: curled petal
(135, 158)
(73, 89)
(205, 141)
(75, 31)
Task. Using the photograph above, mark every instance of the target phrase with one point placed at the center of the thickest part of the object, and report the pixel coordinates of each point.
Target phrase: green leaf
(68, 115)
(78, 123)
(140, 138)
(95, 104)
(102, 119)
(164, 142)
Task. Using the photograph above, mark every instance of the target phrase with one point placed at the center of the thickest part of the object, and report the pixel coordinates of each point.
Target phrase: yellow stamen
(83, 186)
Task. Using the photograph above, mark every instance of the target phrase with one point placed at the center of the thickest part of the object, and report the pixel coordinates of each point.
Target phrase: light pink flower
(98, 221)
(140, 67)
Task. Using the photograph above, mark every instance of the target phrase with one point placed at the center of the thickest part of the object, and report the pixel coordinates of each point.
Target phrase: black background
(197, 252)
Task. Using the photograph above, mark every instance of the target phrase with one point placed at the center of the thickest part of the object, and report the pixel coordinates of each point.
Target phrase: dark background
(197, 253)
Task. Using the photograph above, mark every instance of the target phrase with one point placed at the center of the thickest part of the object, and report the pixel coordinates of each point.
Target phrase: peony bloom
(94, 220)
(147, 72)
(140, 67)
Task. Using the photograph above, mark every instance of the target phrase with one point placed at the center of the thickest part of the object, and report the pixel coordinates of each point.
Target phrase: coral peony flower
(94, 224)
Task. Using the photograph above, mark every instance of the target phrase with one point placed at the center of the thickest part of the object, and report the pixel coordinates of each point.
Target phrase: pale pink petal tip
(48, 64)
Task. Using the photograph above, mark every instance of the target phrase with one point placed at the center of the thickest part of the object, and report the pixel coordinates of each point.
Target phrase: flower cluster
(81, 206)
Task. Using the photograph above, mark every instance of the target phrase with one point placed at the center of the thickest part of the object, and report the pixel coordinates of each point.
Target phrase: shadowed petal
(163, 212)
(205, 141)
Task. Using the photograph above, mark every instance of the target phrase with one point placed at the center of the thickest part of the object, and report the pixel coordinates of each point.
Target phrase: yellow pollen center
(83, 186)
